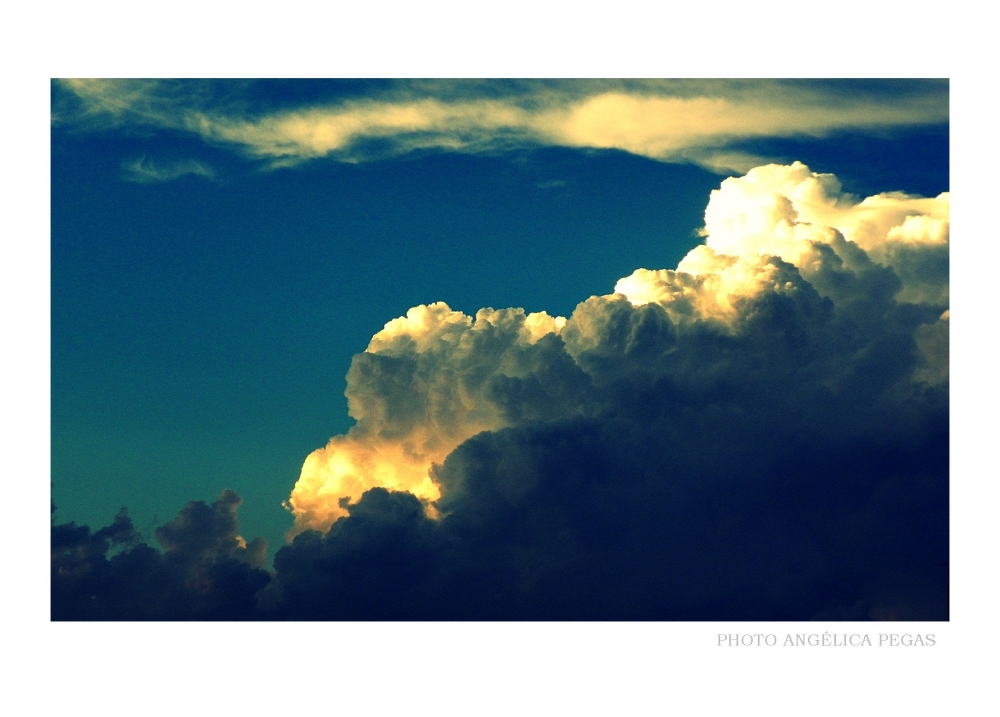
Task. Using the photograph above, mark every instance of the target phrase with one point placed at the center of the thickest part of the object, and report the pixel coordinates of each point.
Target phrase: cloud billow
(205, 572)
(760, 434)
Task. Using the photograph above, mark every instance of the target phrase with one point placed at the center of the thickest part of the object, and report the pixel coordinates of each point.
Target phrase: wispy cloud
(146, 171)
(669, 121)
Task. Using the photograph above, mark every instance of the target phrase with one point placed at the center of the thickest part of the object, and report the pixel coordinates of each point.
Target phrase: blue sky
(213, 277)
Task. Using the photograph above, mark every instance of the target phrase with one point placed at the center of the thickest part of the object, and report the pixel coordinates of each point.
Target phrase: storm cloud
(206, 570)
(760, 434)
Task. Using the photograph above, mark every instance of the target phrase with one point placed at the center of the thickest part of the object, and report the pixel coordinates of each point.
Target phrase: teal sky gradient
(202, 327)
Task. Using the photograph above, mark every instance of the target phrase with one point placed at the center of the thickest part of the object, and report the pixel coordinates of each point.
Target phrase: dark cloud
(203, 573)
(380, 563)
(761, 436)
(770, 488)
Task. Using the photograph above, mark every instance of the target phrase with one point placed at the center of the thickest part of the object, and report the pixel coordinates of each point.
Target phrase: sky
(760, 432)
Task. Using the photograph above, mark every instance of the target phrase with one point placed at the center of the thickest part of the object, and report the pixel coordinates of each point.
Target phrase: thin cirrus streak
(436, 377)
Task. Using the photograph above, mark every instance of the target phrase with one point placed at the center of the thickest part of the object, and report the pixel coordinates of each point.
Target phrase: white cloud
(668, 121)
(785, 212)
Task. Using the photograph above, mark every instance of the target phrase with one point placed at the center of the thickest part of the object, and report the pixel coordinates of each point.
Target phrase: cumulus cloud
(685, 121)
(424, 385)
(206, 569)
(781, 235)
(761, 433)
(799, 217)
(758, 434)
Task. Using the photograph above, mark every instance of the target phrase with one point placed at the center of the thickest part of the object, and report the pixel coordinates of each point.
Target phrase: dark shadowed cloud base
(787, 470)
